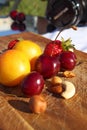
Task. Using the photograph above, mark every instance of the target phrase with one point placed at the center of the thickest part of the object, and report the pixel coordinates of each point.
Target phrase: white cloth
(78, 37)
(5, 26)
(5, 23)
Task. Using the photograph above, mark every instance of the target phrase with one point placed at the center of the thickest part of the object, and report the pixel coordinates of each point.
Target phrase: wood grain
(10, 119)
(60, 114)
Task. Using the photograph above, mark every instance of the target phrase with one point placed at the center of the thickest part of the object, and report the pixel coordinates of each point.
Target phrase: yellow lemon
(31, 49)
(14, 66)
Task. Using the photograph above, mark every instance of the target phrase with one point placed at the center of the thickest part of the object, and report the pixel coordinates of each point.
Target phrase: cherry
(67, 60)
(15, 26)
(33, 84)
(13, 14)
(22, 26)
(47, 66)
(18, 26)
(20, 17)
(18, 21)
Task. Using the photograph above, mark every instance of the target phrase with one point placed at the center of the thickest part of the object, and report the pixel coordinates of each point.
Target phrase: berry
(12, 43)
(18, 26)
(53, 48)
(47, 66)
(13, 14)
(56, 47)
(22, 26)
(15, 26)
(20, 17)
(67, 60)
(33, 84)
(18, 21)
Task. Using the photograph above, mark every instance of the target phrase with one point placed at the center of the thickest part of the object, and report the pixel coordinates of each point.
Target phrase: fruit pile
(18, 20)
(30, 68)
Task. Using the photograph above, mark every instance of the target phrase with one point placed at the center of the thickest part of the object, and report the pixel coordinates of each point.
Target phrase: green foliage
(29, 7)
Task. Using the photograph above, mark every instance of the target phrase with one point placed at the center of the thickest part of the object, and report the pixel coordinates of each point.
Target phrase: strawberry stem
(20, 39)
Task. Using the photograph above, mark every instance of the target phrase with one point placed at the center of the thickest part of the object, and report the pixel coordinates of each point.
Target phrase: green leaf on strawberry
(67, 44)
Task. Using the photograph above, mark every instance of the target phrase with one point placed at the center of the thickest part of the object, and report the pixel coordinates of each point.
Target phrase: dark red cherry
(20, 17)
(47, 66)
(13, 14)
(22, 26)
(15, 26)
(67, 60)
(33, 84)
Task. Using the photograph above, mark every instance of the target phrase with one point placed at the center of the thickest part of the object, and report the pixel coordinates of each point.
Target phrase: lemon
(31, 49)
(14, 66)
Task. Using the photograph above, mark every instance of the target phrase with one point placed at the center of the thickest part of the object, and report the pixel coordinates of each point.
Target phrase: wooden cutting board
(61, 114)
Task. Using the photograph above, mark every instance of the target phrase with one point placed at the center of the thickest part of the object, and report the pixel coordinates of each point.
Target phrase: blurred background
(29, 7)
(33, 9)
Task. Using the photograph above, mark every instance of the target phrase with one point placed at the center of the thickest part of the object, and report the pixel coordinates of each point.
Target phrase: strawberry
(56, 47)
(12, 43)
(53, 48)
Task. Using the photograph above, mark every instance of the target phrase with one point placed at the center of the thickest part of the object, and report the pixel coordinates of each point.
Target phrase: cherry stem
(59, 33)
(61, 29)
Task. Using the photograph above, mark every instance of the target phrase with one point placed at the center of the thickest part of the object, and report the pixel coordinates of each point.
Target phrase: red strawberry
(53, 48)
(56, 47)
(12, 43)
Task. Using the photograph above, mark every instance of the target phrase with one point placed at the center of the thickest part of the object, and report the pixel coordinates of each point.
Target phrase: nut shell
(69, 90)
(57, 88)
(37, 104)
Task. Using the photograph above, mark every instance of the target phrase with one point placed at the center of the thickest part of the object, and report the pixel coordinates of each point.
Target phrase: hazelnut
(56, 80)
(57, 88)
(37, 104)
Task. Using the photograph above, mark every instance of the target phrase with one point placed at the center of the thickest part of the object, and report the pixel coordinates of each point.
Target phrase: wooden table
(61, 114)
